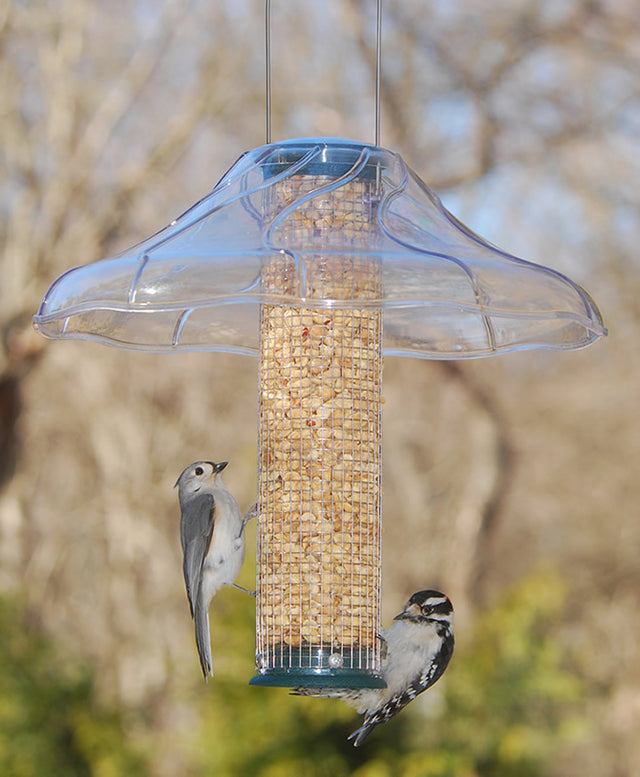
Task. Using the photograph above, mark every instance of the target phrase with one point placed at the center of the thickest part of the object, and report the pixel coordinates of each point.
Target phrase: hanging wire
(267, 50)
(378, 70)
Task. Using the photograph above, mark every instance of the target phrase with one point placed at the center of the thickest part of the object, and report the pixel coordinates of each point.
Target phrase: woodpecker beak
(410, 613)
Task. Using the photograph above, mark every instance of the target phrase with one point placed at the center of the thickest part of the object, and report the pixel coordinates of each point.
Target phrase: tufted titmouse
(212, 536)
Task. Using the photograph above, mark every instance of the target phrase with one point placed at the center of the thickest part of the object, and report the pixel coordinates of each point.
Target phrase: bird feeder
(320, 256)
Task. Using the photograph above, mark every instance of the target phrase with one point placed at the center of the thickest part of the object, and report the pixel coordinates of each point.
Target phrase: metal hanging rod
(267, 48)
(378, 70)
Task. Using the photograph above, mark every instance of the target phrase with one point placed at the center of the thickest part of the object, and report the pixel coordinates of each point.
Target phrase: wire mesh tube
(318, 600)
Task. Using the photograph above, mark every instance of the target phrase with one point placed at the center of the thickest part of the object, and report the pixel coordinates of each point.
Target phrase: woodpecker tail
(362, 733)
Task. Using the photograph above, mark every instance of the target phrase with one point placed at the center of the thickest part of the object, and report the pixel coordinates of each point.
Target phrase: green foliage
(512, 699)
(507, 702)
(50, 722)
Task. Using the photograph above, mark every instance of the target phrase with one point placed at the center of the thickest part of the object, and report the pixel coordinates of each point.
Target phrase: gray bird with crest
(213, 544)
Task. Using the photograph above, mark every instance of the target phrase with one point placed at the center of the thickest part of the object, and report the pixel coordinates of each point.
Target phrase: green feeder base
(316, 668)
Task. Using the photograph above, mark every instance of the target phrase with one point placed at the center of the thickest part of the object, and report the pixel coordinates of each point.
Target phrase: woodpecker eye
(199, 471)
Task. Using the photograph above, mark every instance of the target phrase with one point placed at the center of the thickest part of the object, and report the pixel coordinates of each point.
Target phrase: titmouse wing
(196, 529)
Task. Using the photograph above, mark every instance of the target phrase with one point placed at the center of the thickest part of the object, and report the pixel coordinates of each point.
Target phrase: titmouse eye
(199, 471)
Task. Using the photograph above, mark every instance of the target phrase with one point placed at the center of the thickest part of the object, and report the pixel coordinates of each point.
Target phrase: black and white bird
(212, 536)
(419, 645)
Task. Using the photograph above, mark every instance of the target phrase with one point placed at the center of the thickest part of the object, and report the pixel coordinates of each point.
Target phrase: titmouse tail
(203, 640)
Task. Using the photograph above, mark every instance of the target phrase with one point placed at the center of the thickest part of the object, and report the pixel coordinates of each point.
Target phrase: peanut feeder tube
(320, 465)
(320, 256)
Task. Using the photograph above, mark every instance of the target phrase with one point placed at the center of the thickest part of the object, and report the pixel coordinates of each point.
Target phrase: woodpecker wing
(424, 680)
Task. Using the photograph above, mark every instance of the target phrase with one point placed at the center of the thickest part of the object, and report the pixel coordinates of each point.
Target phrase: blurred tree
(525, 116)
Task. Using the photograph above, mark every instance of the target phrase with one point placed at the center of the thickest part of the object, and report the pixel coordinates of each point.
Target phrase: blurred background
(511, 483)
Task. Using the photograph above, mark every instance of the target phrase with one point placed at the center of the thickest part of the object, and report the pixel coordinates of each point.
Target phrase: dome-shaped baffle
(198, 284)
